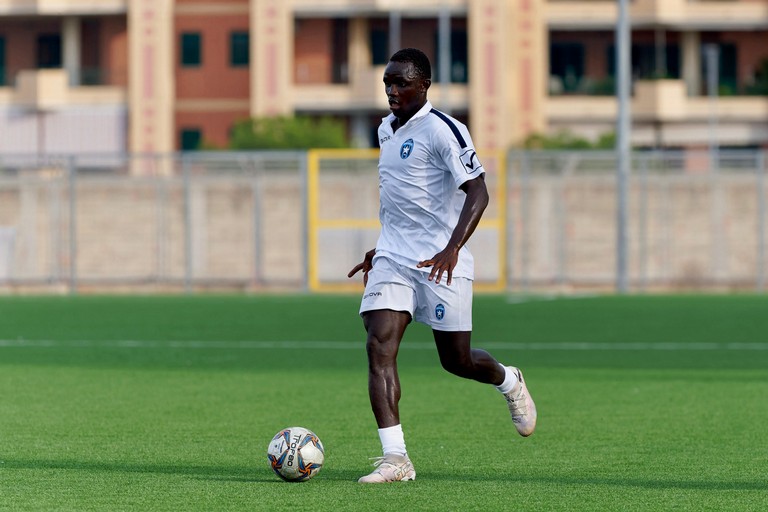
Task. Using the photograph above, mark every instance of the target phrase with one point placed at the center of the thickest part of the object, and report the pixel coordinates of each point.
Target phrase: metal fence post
(643, 221)
(561, 214)
(185, 172)
(72, 175)
(162, 235)
(509, 253)
(761, 212)
(525, 228)
(257, 227)
(623, 143)
(304, 173)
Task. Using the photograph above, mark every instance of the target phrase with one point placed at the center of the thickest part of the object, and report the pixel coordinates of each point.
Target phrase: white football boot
(390, 468)
(521, 406)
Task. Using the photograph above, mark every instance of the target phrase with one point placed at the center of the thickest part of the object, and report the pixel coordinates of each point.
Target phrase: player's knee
(459, 367)
(381, 348)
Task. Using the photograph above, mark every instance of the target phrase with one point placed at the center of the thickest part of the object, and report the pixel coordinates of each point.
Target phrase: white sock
(510, 380)
(392, 440)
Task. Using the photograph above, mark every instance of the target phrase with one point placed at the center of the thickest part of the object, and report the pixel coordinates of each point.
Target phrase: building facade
(157, 76)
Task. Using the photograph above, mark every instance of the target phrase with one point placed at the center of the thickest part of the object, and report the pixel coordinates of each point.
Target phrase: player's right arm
(366, 265)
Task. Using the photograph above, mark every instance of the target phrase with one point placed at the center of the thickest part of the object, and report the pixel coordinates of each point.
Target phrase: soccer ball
(296, 454)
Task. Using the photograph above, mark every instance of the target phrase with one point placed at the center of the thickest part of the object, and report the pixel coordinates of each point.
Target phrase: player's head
(407, 78)
(416, 57)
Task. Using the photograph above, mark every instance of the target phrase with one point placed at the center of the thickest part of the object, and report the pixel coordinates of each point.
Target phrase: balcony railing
(606, 86)
(57, 7)
(44, 89)
(691, 13)
(84, 77)
(658, 100)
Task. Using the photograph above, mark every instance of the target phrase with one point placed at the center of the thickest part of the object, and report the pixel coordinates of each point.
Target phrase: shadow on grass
(641, 483)
(255, 474)
(244, 474)
(233, 473)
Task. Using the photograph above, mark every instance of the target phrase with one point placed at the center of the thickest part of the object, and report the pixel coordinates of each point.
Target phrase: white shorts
(399, 288)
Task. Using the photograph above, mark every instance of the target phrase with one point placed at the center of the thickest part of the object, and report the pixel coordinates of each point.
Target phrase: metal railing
(220, 220)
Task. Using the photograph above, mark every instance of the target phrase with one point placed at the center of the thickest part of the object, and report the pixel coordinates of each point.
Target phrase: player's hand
(365, 266)
(443, 262)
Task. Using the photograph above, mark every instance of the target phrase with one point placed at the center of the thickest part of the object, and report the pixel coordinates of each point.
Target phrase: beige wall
(506, 74)
(271, 57)
(134, 233)
(151, 80)
(698, 232)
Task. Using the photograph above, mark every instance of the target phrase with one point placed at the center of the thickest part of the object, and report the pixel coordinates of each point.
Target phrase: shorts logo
(406, 149)
(439, 311)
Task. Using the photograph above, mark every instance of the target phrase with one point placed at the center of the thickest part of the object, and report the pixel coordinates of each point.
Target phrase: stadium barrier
(343, 223)
(300, 220)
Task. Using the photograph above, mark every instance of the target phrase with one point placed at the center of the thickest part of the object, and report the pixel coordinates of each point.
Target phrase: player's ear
(426, 83)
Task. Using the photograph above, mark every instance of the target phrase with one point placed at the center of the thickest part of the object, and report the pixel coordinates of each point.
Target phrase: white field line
(340, 345)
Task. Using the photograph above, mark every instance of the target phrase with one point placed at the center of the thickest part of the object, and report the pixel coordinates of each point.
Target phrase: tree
(300, 132)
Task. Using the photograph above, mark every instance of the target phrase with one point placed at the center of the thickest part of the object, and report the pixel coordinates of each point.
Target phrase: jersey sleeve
(455, 149)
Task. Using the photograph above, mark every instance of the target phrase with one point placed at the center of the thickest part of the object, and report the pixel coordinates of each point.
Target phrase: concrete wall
(686, 231)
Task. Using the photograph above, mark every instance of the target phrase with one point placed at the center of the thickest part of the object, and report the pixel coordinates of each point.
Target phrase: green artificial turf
(169, 403)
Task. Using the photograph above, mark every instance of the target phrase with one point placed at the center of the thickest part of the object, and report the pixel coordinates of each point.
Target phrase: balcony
(335, 7)
(658, 100)
(49, 89)
(62, 7)
(365, 91)
(680, 14)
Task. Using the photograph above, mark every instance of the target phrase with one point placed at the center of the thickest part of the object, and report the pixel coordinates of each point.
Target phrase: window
(49, 51)
(727, 60)
(191, 49)
(191, 139)
(340, 50)
(646, 61)
(566, 65)
(239, 49)
(2, 61)
(379, 46)
(459, 69)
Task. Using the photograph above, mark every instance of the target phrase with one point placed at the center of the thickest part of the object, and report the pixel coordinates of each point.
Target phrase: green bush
(567, 140)
(283, 132)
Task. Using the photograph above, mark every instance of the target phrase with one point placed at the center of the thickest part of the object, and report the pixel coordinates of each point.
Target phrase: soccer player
(433, 194)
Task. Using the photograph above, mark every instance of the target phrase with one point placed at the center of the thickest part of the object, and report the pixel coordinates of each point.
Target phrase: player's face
(406, 92)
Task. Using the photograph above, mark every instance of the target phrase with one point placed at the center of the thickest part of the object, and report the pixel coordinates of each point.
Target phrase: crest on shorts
(406, 149)
(439, 311)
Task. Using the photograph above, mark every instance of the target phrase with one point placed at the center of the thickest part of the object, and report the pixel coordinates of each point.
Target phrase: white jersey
(421, 167)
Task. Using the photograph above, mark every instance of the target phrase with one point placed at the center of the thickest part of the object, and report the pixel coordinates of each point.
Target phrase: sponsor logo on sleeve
(470, 161)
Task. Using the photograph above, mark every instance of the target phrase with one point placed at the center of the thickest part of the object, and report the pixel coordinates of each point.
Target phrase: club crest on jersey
(470, 161)
(406, 149)
(439, 311)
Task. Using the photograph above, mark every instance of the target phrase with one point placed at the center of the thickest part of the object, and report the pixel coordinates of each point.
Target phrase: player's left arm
(471, 213)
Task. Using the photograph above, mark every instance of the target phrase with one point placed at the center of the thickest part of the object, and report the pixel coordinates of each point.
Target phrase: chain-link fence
(697, 220)
(170, 221)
